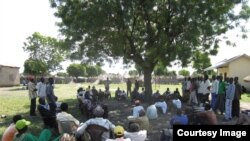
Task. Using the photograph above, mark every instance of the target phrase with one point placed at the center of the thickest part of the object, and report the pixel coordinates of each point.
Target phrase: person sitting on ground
(49, 119)
(95, 93)
(167, 93)
(244, 119)
(180, 118)
(22, 128)
(10, 132)
(123, 95)
(151, 111)
(98, 120)
(177, 103)
(119, 134)
(134, 133)
(142, 120)
(156, 95)
(142, 94)
(161, 104)
(137, 108)
(135, 95)
(64, 116)
(117, 93)
(100, 95)
(207, 117)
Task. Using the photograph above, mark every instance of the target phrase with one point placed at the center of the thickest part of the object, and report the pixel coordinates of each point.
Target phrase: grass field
(14, 100)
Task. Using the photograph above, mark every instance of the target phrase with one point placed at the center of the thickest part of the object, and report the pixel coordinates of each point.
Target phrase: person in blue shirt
(179, 118)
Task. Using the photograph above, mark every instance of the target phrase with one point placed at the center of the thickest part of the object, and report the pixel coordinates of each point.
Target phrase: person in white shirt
(214, 91)
(200, 89)
(206, 89)
(135, 134)
(162, 104)
(177, 103)
(64, 116)
(152, 111)
(119, 134)
(41, 89)
(98, 120)
(137, 109)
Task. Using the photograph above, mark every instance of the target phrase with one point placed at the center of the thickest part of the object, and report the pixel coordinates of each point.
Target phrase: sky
(20, 18)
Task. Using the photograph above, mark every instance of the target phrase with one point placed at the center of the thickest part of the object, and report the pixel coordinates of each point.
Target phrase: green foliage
(76, 70)
(47, 49)
(146, 32)
(91, 71)
(201, 61)
(133, 73)
(35, 67)
(184, 72)
(63, 74)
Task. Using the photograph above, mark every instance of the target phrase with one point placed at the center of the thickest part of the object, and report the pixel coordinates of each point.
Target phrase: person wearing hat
(22, 127)
(22, 135)
(10, 132)
(119, 134)
(98, 120)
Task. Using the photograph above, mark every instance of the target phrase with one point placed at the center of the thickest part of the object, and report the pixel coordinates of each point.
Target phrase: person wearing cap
(137, 108)
(22, 127)
(10, 132)
(119, 134)
(135, 133)
(98, 120)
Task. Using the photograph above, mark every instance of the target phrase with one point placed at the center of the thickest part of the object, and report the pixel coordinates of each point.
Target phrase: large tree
(76, 70)
(145, 31)
(46, 49)
(35, 67)
(201, 61)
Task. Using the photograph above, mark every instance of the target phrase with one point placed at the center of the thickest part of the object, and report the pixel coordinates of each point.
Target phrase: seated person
(22, 128)
(137, 108)
(152, 111)
(179, 118)
(98, 120)
(64, 116)
(49, 118)
(100, 95)
(11, 131)
(117, 93)
(177, 94)
(244, 119)
(119, 134)
(142, 120)
(142, 95)
(156, 95)
(80, 93)
(94, 93)
(161, 104)
(177, 103)
(134, 133)
(167, 93)
(207, 117)
(135, 95)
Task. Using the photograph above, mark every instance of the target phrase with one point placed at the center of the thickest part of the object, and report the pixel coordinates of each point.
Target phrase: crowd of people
(199, 103)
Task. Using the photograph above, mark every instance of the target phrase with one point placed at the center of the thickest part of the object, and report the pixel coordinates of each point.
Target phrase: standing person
(50, 95)
(236, 100)
(230, 92)
(107, 83)
(206, 89)
(41, 89)
(137, 85)
(214, 91)
(129, 84)
(220, 104)
(32, 95)
(193, 89)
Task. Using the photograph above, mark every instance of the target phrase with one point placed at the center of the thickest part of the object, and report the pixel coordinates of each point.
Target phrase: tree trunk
(147, 83)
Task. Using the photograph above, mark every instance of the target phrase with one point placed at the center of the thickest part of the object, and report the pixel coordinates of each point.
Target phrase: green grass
(245, 97)
(14, 100)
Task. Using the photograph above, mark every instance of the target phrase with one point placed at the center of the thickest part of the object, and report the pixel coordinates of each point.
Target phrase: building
(236, 66)
(9, 76)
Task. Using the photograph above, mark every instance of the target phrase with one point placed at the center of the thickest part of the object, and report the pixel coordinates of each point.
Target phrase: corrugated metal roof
(225, 62)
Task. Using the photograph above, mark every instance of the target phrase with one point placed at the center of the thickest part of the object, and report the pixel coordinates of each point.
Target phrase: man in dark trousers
(129, 84)
(50, 95)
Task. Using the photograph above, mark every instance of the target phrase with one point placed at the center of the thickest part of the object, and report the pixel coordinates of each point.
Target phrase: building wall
(223, 71)
(9, 76)
(240, 68)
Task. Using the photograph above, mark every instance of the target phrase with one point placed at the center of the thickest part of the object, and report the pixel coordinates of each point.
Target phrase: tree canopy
(35, 67)
(184, 72)
(146, 31)
(46, 49)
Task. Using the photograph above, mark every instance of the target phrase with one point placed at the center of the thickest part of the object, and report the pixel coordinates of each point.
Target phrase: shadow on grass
(17, 89)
